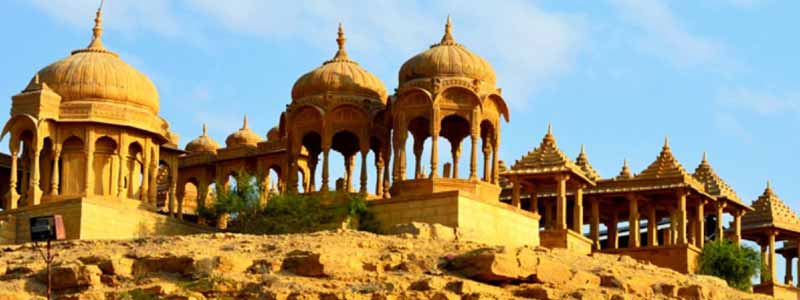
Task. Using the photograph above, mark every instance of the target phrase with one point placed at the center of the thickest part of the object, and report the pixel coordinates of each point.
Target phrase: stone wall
(681, 258)
(476, 220)
(779, 291)
(95, 218)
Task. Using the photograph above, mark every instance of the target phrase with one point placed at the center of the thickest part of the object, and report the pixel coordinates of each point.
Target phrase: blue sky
(718, 75)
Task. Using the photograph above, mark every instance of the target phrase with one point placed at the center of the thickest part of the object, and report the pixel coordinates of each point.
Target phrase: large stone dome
(447, 58)
(339, 75)
(97, 74)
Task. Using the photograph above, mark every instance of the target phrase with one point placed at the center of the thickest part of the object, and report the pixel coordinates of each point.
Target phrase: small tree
(239, 202)
(736, 264)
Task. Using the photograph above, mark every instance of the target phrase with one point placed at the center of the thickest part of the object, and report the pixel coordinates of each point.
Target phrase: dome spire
(448, 38)
(244, 122)
(97, 31)
(205, 130)
(341, 54)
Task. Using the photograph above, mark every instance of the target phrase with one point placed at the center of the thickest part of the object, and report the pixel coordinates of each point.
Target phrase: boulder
(312, 264)
(72, 275)
(117, 266)
(549, 271)
(584, 279)
(182, 265)
(490, 265)
(428, 284)
(264, 266)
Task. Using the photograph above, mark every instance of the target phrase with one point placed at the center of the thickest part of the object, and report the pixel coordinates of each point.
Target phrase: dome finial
(97, 31)
(341, 54)
(549, 128)
(205, 129)
(705, 157)
(448, 39)
(583, 150)
(244, 122)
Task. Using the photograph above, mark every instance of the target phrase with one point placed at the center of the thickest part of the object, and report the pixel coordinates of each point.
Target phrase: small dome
(202, 143)
(274, 134)
(244, 137)
(447, 58)
(340, 75)
(97, 74)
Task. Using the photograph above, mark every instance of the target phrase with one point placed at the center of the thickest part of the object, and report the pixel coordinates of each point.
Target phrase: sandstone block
(73, 275)
(489, 265)
(169, 264)
(536, 292)
(312, 264)
(551, 272)
(117, 266)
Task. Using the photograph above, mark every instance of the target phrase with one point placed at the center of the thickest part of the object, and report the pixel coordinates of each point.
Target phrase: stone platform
(567, 239)
(481, 220)
(779, 291)
(681, 258)
(95, 218)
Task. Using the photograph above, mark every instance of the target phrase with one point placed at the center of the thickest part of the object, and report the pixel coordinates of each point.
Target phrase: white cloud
(760, 102)
(665, 35)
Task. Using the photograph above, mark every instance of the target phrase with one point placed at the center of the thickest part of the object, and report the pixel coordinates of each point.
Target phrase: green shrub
(736, 264)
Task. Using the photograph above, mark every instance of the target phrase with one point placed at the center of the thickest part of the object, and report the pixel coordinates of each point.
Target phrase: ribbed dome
(243, 137)
(202, 143)
(96, 74)
(447, 58)
(339, 75)
(274, 134)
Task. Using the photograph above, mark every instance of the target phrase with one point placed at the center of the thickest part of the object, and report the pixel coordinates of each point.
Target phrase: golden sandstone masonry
(87, 143)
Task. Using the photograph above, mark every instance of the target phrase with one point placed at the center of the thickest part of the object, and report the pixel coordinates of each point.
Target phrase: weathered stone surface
(551, 272)
(695, 292)
(536, 291)
(73, 275)
(429, 284)
(425, 231)
(169, 264)
(585, 280)
(311, 264)
(490, 265)
(117, 266)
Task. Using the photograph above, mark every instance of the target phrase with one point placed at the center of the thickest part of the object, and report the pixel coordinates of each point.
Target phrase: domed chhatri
(447, 58)
(244, 137)
(202, 144)
(339, 75)
(95, 74)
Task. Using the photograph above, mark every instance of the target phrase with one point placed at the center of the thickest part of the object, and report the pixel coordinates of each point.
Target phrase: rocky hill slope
(427, 263)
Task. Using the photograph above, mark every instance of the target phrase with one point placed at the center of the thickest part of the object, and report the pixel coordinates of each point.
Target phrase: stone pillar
(418, 147)
(633, 222)
(515, 189)
(613, 233)
(456, 153)
(434, 154)
(720, 228)
(487, 168)
(181, 193)
(89, 185)
(668, 237)
(35, 190)
(12, 198)
(325, 173)
(473, 162)
(764, 262)
(561, 202)
(447, 169)
(534, 201)
(379, 174)
(772, 257)
(594, 228)
(737, 228)
(787, 279)
(363, 178)
(681, 215)
(56, 171)
(401, 157)
(577, 213)
(173, 185)
(652, 227)
(348, 168)
(798, 261)
(700, 225)
(495, 159)
(313, 160)
(122, 190)
(387, 158)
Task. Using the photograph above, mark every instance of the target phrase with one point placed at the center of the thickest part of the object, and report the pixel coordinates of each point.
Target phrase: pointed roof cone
(97, 31)
(583, 161)
(547, 158)
(448, 38)
(625, 173)
(770, 212)
(244, 122)
(341, 54)
(714, 185)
